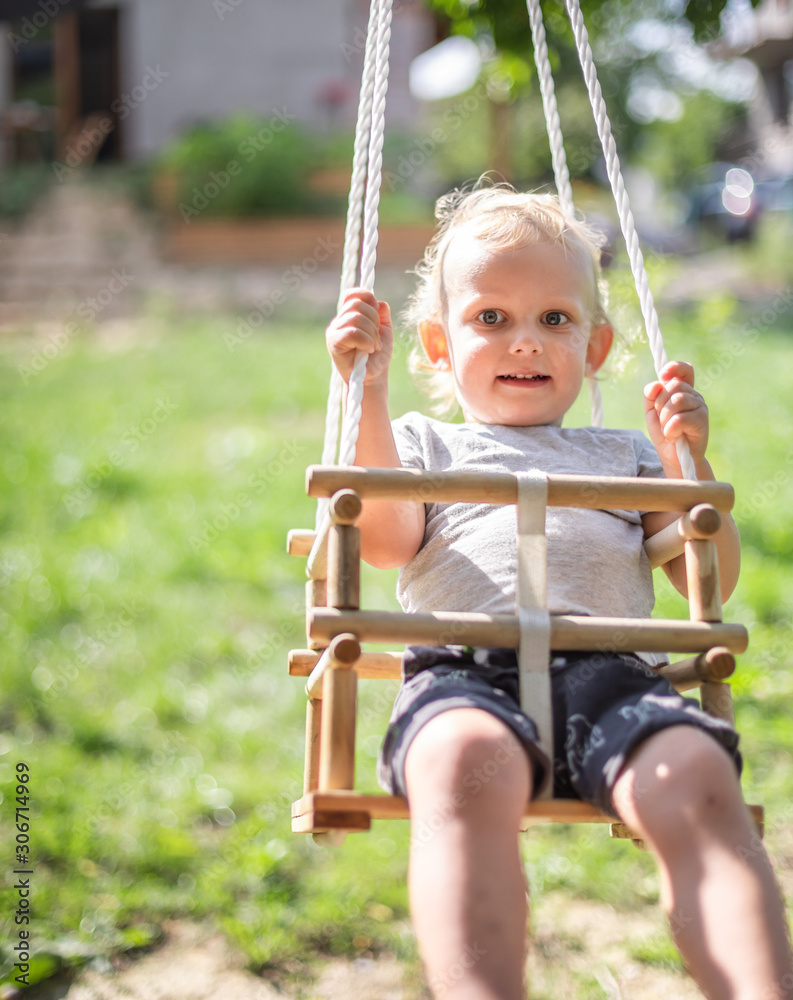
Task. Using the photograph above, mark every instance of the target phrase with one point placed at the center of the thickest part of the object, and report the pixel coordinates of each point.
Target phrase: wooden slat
(394, 807)
(300, 541)
(716, 664)
(342, 654)
(354, 811)
(567, 631)
(593, 492)
(368, 667)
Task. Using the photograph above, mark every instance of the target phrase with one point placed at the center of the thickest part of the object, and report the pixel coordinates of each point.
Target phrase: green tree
(626, 64)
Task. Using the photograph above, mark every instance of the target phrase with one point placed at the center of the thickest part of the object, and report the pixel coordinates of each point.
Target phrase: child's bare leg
(679, 790)
(468, 780)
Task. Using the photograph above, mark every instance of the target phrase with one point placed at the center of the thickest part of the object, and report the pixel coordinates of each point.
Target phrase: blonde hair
(501, 218)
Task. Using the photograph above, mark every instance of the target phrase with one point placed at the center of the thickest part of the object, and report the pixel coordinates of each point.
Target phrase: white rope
(553, 125)
(558, 158)
(352, 416)
(352, 236)
(624, 210)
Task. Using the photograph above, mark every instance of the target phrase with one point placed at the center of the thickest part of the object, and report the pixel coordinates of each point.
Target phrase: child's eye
(491, 316)
(556, 318)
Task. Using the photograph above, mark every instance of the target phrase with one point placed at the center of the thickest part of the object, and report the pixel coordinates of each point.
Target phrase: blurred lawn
(148, 604)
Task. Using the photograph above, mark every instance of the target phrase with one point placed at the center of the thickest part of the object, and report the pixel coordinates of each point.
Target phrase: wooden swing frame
(336, 626)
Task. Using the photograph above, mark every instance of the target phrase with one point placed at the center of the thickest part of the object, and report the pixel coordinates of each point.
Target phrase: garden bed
(284, 241)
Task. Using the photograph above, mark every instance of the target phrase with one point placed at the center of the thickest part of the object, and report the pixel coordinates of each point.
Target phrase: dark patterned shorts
(604, 706)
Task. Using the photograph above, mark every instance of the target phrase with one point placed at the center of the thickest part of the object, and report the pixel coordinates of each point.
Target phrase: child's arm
(391, 532)
(674, 410)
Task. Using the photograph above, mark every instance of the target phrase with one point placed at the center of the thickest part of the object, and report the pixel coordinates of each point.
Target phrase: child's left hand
(673, 410)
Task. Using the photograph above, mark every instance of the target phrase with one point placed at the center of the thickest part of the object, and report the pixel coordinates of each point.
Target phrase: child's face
(519, 336)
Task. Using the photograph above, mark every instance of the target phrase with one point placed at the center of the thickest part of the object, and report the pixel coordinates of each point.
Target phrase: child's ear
(601, 338)
(433, 340)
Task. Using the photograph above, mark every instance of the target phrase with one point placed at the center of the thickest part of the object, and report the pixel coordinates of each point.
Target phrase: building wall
(271, 57)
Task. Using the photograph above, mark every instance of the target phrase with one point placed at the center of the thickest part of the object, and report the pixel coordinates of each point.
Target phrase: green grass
(148, 604)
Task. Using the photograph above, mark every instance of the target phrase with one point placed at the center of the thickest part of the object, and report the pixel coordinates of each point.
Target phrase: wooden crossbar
(593, 492)
(716, 664)
(573, 632)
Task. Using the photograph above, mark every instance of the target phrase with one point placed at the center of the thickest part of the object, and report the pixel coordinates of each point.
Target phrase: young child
(510, 319)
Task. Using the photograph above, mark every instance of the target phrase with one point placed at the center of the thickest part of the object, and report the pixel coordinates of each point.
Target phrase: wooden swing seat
(329, 806)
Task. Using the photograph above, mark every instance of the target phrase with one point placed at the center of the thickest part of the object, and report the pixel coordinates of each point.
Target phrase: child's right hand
(362, 324)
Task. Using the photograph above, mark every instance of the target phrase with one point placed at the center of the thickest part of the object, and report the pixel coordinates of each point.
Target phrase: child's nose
(527, 340)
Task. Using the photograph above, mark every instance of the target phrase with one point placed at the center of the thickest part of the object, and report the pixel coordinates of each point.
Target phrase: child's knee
(677, 778)
(467, 753)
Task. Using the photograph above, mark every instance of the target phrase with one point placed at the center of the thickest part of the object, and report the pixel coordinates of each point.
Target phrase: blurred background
(173, 183)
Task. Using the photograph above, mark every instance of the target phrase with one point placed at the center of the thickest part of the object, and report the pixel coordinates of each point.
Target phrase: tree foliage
(507, 20)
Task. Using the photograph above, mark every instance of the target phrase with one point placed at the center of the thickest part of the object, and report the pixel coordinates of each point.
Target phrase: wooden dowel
(344, 566)
(379, 665)
(665, 544)
(701, 521)
(342, 654)
(594, 492)
(317, 565)
(337, 736)
(716, 699)
(316, 597)
(702, 577)
(567, 631)
(313, 725)
(714, 665)
(300, 541)
(345, 507)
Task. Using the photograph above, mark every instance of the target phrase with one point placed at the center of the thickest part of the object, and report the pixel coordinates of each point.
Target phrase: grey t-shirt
(468, 559)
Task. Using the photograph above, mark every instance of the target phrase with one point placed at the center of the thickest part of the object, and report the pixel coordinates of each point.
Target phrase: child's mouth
(524, 381)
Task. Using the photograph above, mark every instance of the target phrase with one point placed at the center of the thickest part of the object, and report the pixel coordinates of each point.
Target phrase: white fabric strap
(533, 617)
